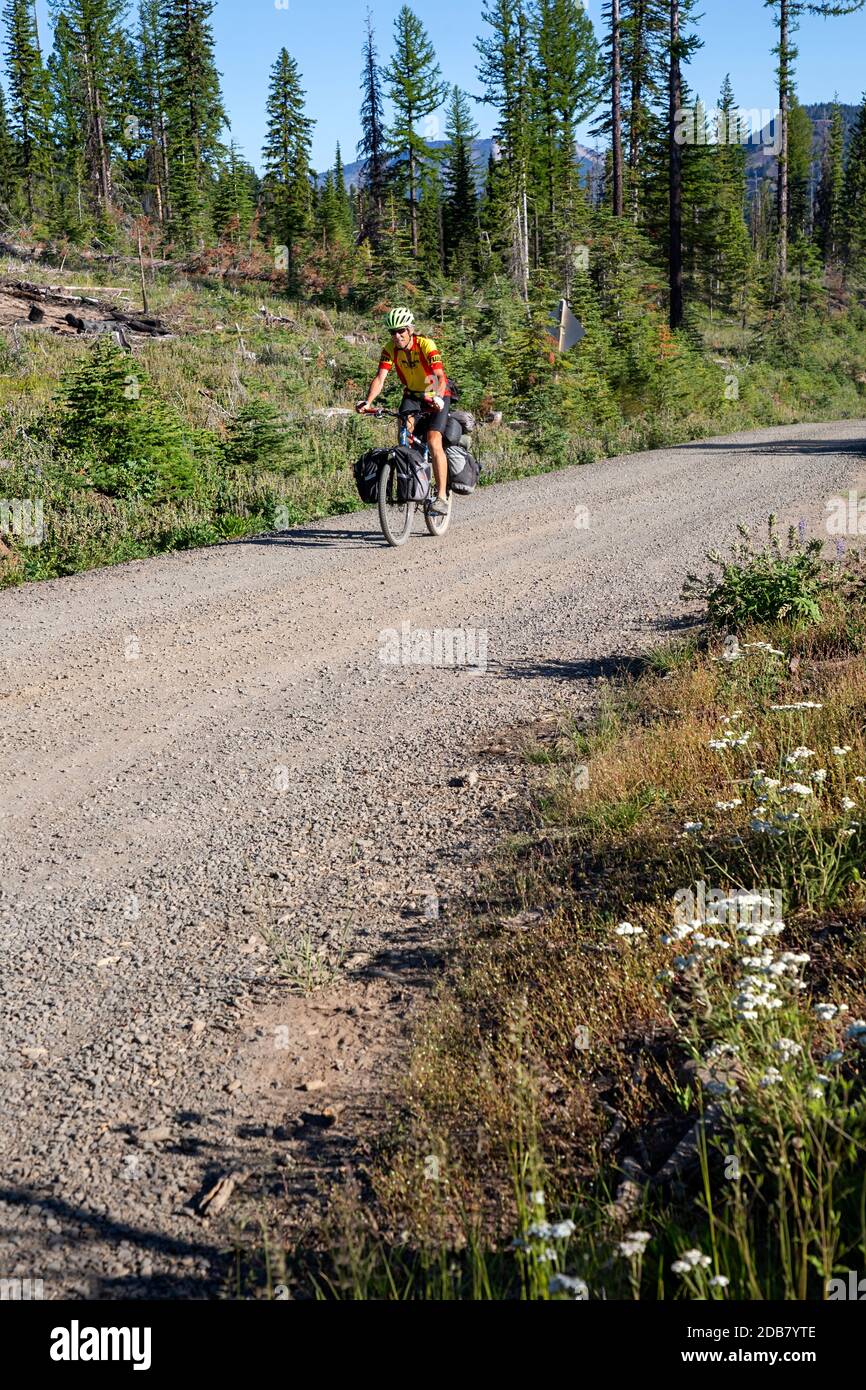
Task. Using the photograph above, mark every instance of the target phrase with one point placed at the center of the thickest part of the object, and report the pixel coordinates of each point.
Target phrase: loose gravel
(232, 845)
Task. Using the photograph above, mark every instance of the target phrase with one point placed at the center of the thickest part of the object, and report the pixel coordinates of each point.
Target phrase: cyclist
(418, 362)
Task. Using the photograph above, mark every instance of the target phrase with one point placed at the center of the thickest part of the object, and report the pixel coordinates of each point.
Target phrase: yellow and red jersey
(419, 366)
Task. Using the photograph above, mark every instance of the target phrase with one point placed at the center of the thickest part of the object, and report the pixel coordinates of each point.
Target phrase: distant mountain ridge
(586, 159)
(761, 162)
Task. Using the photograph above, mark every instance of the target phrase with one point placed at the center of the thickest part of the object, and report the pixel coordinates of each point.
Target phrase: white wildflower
(634, 1244)
(626, 929)
(567, 1283)
(721, 1281)
(826, 1012)
(802, 704)
(770, 1078)
(840, 752)
(691, 1259)
(798, 754)
(798, 789)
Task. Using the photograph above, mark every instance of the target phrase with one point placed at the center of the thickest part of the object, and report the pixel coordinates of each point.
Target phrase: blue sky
(326, 36)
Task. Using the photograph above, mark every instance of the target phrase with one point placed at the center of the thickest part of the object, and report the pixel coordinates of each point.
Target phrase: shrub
(130, 443)
(767, 585)
(256, 435)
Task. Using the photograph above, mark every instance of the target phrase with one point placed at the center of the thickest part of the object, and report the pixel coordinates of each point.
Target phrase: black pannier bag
(412, 475)
(465, 419)
(463, 469)
(453, 432)
(367, 474)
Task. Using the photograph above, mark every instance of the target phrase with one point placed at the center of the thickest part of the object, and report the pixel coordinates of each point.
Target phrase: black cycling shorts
(427, 417)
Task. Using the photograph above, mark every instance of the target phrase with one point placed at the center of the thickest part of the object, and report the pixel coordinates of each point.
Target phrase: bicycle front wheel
(438, 525)
(395, 517)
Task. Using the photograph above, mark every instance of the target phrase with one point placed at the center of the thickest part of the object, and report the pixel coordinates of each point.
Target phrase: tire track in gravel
(203, 753)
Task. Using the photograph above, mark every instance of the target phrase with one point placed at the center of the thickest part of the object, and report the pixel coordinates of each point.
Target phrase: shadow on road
(787, 446)
(324, 539)
(92, 1226)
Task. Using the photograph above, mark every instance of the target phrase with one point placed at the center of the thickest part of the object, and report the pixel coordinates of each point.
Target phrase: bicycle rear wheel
(395, 517)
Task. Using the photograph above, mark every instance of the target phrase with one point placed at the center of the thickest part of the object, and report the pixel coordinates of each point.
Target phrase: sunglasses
(398, 332)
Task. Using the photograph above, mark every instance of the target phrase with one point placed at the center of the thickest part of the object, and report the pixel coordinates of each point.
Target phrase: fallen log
(111, 317)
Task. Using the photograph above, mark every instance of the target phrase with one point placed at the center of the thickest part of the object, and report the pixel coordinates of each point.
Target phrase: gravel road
(214, 784)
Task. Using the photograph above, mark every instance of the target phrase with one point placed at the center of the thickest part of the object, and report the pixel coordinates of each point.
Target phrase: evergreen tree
(567, 69)
(234, 197)
(372, 147)
(94, 41)
(72, 212)
(152, 68)
(431, 231)
(8, 181)
(504, 72)
(28, 103)
(801, 138)
(287, 186)
(343, 224)
(460, 213)
(131, 443)
(789, 14)
(194, 113)
(854, 196)
(611, 124)
(731, 252)
(829, 206)
(644, 46)
(416, 89)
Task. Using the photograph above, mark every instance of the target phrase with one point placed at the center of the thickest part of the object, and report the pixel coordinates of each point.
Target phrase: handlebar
(378, 411)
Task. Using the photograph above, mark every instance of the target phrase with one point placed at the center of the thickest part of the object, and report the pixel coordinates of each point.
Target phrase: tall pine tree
(854, 197)
(373, 145)
(29, 103)
(286, 187)
(829, 205)
(461, 197)
(94, 41)
(416, 89)
(195, 115)
(152, 68)
(505, 76)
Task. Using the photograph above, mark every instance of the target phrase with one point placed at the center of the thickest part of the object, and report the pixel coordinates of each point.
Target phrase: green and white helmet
(400, 318)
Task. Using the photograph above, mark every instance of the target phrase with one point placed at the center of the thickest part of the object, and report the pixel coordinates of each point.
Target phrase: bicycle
(396, 517)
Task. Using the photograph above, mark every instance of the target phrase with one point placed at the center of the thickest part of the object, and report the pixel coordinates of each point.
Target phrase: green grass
(224, 360)
(560, 1048)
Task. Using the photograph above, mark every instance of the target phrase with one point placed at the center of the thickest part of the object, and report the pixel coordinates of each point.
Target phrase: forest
(716, 260)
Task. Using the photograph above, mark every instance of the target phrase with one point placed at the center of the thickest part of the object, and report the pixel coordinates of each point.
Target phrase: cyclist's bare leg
(440, 462)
